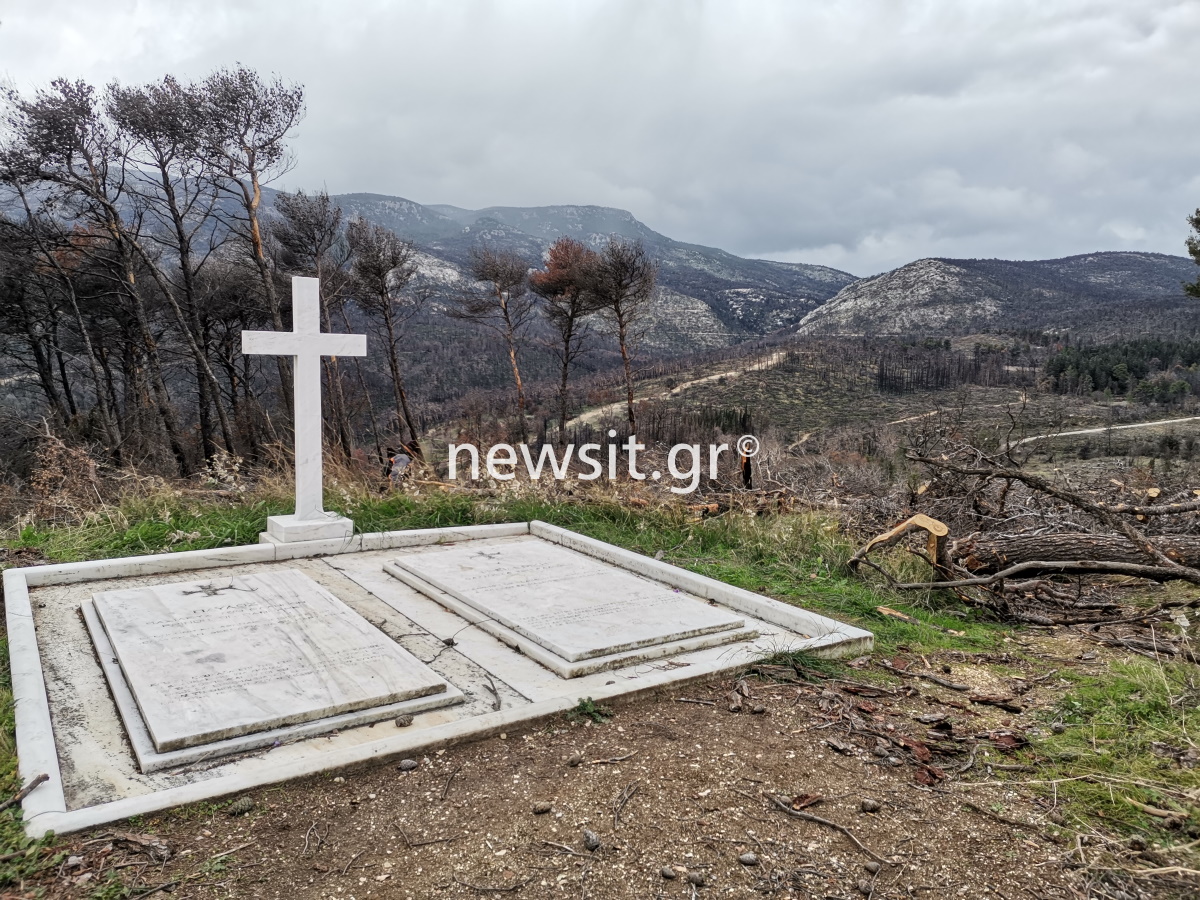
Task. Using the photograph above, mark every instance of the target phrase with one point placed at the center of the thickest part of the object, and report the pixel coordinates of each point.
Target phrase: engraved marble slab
(209, 660)
(574, 605)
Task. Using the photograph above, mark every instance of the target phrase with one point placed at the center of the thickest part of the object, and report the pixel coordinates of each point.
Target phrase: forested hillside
(1151, 370)
(140, 238)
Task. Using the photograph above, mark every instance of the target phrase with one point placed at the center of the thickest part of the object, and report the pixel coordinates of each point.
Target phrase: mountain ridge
(710, 297)
(746, 297)
(1095, 294)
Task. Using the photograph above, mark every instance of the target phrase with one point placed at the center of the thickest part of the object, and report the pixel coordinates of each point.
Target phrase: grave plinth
(315, 527)
(210, 660)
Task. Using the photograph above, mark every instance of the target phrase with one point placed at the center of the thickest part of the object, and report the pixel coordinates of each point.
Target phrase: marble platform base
(77, 719)
(290, 529)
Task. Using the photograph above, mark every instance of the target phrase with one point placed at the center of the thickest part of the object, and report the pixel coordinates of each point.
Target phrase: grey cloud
(860, 135)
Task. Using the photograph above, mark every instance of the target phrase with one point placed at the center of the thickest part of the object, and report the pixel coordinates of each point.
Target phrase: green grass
(588, 709)
(151, 526)
(35, 856)
(799, 558)
(1105, 752)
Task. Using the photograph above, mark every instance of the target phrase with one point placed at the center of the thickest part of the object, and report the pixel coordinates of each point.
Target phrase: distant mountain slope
(723, 295)
(1095, 294)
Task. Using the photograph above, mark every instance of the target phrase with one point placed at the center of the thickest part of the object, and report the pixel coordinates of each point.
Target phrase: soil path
(1021, 397)
(677, 783)
(600, 413)
(1101, 430)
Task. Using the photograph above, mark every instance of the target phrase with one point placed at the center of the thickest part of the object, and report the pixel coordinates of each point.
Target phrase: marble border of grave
(45, 807)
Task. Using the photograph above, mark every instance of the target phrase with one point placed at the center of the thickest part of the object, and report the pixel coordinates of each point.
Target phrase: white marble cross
(306, 344)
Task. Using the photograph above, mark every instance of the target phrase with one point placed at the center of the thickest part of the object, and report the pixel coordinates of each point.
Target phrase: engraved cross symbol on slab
(306, 344)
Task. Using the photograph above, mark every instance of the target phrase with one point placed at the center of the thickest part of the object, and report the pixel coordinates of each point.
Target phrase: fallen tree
(1037, 576)
(986, 554)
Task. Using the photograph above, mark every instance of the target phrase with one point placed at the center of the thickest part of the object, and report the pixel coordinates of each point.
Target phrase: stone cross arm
(290, 343)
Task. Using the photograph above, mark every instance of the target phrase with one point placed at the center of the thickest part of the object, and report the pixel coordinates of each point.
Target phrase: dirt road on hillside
(600, 413)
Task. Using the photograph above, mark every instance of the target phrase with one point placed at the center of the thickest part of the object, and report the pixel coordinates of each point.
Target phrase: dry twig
(623, 798)
(809, 817)
(24, 792)
(611, 760)
(446, 786)
(488, 889)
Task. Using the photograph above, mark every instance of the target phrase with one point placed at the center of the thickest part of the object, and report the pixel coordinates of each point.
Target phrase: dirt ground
(671, 798)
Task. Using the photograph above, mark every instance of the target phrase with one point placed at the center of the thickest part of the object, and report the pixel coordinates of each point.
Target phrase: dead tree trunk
(987, 554)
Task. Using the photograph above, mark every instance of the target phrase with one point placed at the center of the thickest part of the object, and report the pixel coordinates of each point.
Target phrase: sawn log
(986, 554)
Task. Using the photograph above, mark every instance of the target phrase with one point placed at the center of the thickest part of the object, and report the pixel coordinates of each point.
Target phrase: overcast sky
(861, 135)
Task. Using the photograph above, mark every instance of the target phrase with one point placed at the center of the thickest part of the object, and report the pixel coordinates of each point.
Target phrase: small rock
(339, 780)
(403, 721)
(870, 806)
(893, 760)
(240, 807)
(758, 710)
(591, 841)
(1057, 818)
(73, 861)
(667, 872)
(407, 765)
(574, 759)
(865, 888)
(541, 808)
(696, 878)
(1058, 727)
(873, 867)
(880, 752)
(748, 859)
